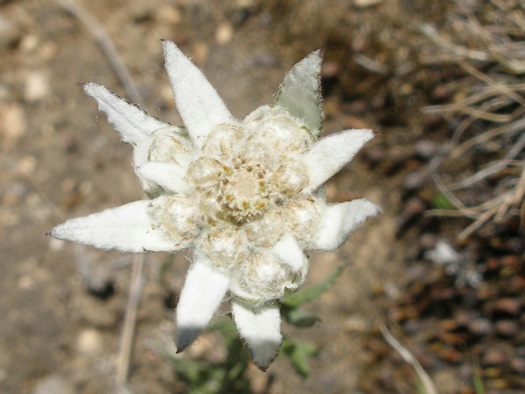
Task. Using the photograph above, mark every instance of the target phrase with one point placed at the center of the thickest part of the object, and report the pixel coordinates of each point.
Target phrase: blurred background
(443, 267)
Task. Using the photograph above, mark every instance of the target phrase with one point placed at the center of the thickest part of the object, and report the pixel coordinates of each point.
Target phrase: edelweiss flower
(243, 195)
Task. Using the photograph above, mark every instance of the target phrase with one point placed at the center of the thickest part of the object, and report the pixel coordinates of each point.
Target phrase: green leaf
(300, 92)
(299, 353)
(227, 376)
(298, 316)
(314, 292)
(479, 387)
(440, 201)
(226, 327)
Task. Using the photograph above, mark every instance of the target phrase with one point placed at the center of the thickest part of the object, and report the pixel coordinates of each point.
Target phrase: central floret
(242, 174)
(244, 191)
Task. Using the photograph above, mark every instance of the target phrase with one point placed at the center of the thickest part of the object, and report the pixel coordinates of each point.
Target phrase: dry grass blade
(490, 170)
(491, 112)
(507, 130)
(128, 332)
(519, 191)
(105, 43)
(495, 87)
(110, 51)
(371, 64)
(455, 50)
(426, 382)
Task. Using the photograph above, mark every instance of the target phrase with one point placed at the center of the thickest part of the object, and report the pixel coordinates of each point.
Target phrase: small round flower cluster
(244, 193)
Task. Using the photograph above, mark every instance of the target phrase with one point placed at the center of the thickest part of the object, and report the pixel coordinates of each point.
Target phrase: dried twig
(497, 97)
(455, 50)
(519, 190)
(509, 129)
(106, 45)
(128, 332)
(426, 382)
(486, 172)
(478, 96)
(492, 84)
(371, 64)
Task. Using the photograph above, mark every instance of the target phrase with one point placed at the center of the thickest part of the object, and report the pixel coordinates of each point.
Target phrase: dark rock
(518, 365)
(495, 357)
(507, 328)
(425, 149)
(509, 306)
(428, 241)
(480, 327)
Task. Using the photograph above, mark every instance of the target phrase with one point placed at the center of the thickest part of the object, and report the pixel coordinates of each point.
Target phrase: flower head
(244, 195)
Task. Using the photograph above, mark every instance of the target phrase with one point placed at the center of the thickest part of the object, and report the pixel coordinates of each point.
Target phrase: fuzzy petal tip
(260, 327)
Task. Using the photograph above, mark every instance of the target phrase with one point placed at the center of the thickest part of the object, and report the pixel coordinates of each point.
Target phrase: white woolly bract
(244, 195)
(200, 297)
(261, 329)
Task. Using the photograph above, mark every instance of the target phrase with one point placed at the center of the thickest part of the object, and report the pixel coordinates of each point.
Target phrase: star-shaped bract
(244, 195)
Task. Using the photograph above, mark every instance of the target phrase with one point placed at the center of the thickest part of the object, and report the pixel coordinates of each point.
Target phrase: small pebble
(427, 241)
(415, 205)
(432, 120)
(26, 166)
(29, 43)
(265, 59)
(447, 380)
(169, 14)
(375, 154)
(200, 53)
(441, 92)
(480, 327)
(54, 384)
(507, 328)
(353, 122)
(417, 179)
(510, 306)
(330, 69)
(358, 106)
(492, 264)
(224, 33)
(495, 356)
(426, 149)
(10, 32)
(510, 260)
(366, 3)
(36, 86)
(520, 351)
(518, 284)
(92, 313)
(399, 156)
(448, 324)
(55, 244)
(451, 355)
(89, 342)
(14, 125)
(5, 94)
(416, 273)
(355, 324)
(518, 365)
(141, 11)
